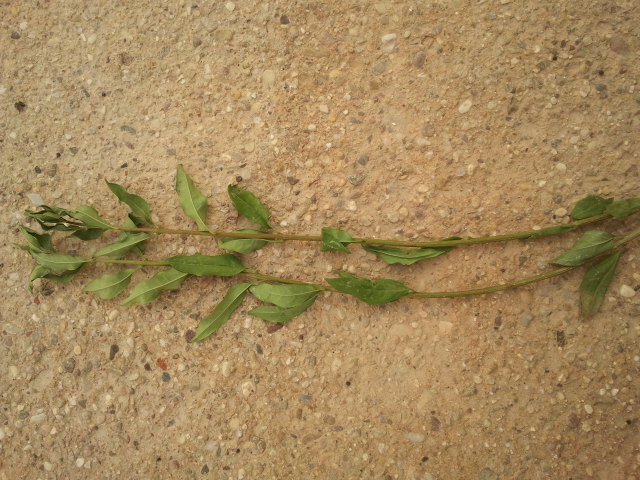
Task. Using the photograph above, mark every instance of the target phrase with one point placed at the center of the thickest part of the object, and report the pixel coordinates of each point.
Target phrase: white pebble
(388, 37)
(627, 291)
(248, 388)
(38, 418)
(13, 371)
(588, 408)
(561, 167)
(47, 466)
(230, 6)
(414, 437)
(323, 108)
(560, 212)
(35, 199)
(79, 462)
(465, 106)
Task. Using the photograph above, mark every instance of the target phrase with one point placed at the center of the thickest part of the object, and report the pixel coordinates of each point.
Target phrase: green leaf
(225, 265)
(243, 245)
(57, 262)
(220, 315)
(42, 272)
(550, 231)
(192, 202)
(88, 233)
(120, 248)
(53, 218)
(90, 217)
(138, 205)
(149, 289)
(110, 285)
(589, 245)
(596, 282)
(132, 222)
(248, 205)
(407, 256)
(590, 206)
(335, 240)
(624, 208)
(374, 292)
(286, 296)
(37, 242)
(274, 313)
(38, 272)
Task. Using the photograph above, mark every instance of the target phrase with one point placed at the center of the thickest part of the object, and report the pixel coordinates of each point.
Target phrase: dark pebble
(363, 159)
(274, 327)
(435, 424)
(418, 60)
(15, 35)
(38, 169)
(284, 20)
(113, 350)
(305, 398)
(292, 180)
(166, 377)
(20, 106)
(73, 150)
(601, 87)
(128, 129)
(205, 469)
(259, 348)
(188, 335)
(124, 165)
(69, 365)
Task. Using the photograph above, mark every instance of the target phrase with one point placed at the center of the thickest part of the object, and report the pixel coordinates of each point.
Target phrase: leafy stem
(286, 298)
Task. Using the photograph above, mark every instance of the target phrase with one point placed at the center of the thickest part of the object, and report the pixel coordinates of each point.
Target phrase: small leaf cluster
(283, 299)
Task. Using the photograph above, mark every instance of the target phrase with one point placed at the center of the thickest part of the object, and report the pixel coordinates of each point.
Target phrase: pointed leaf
(38, 242)
(274, 313)
(42, 272)
(220, 315)
(110, 285)
(120, 248)
(335, 240)
(624, 208)
(225, 265)
(149, 289)
(285, 296)
(374, 292)
(243, 245)
(58, 262)
(589, 245)
(249, 206)
(192, 202)
(407, 256)
(138, 205)
(90, 217)
(590, 206)
(595, 284)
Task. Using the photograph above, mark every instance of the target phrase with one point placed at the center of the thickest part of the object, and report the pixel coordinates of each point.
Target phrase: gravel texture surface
(407, 120)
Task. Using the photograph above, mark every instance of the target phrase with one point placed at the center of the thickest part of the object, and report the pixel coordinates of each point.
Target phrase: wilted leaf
(58, 262)
(37, 242)
(90, 217)
(110, 285)
(596, 282)
(242, 245)
(406, 256)
(590, 206)
(624, 208)
(225, 265)
(138, 205)
(148, 290)
(249, 206)
(274, 313)
(285, 296)
(220, 315)
(374, 292)
(589, 245)
(335, 240)
(192, 202)
(120, 248)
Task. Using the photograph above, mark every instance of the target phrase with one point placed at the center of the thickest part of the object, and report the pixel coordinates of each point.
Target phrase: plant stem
(143, 263)
(368, 241)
